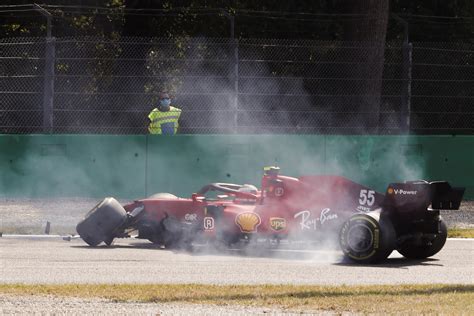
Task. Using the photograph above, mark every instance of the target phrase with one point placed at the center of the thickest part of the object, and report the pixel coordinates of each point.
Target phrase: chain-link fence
(99, 85)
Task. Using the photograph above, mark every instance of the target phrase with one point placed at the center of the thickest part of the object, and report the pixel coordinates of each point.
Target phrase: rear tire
(411, 251)
(367, 238)
(100, 223)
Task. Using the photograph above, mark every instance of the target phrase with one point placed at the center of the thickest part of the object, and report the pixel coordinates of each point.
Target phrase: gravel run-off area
(51, 305)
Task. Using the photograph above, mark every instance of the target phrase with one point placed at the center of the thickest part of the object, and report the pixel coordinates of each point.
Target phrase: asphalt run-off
(59, 260)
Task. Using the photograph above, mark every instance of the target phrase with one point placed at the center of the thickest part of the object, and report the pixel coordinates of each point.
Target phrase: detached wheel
(367, 238)
(100, 223)
(429, 249)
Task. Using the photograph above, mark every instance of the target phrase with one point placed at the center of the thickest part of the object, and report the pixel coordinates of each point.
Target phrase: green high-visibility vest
(160, 122)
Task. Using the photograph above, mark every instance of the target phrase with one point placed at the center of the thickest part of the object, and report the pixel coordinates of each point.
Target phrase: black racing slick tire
(168, 232)
(411, 251)
(149, 230)
(367, 238)
(172, 233)
(101, 223)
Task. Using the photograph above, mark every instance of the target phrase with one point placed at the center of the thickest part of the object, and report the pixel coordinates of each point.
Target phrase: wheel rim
(360, 238)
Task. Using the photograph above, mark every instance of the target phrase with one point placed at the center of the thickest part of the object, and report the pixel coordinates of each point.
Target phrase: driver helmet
(249, 188)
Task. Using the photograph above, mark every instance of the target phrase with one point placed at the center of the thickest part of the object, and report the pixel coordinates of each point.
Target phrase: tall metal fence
(99, 85)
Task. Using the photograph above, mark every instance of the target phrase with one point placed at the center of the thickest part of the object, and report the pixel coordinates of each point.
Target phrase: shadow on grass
(237, 293)
(323, 293)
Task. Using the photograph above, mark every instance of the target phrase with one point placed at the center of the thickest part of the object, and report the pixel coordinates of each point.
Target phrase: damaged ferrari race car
(368, 225)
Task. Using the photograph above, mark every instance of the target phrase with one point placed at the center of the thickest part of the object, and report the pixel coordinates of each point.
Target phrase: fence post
(49, 61)
(48, 90)
(235, 44)
(235, 72)
(407, 50)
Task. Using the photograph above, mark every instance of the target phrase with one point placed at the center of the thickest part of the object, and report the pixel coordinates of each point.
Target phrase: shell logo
(390, 191)
(248, 222)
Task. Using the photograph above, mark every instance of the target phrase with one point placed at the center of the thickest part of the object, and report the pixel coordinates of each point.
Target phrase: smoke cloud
(150, 163)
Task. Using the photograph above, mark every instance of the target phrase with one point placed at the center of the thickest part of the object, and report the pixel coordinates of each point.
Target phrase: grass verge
(393, 299)
(461, 232)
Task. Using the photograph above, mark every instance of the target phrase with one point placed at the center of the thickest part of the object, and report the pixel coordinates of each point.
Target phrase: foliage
(325, 20)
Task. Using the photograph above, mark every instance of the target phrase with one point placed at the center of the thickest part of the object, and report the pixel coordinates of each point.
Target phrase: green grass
(393, 299)
(461, 232)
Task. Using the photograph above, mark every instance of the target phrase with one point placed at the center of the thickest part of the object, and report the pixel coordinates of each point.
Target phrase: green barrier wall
(42, 166)
(136, 166)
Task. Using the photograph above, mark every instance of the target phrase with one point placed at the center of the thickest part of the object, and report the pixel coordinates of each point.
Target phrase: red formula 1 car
(367, 225)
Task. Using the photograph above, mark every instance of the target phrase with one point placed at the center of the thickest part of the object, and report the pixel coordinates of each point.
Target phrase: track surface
(29, 260)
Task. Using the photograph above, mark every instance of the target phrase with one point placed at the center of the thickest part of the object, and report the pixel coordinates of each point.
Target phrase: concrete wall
(140, 165)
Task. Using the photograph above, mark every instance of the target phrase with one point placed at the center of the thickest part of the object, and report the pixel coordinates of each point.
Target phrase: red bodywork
(282, 207)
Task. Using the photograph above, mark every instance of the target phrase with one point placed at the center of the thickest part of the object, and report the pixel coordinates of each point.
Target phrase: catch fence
(103, 85)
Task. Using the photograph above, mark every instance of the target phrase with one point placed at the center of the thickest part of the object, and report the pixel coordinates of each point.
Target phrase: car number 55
(367, 197)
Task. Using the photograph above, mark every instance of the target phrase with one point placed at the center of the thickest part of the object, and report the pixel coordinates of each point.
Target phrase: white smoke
(362, 159)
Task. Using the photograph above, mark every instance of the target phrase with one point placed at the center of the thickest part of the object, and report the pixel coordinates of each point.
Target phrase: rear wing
(445, 197)
(419, 195)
